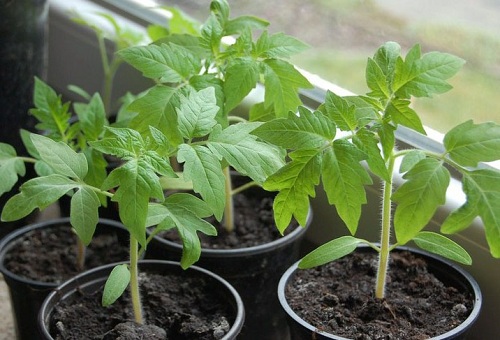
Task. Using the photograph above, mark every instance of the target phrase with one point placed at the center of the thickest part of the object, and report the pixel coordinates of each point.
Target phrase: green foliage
(348, 140)
(117, 282)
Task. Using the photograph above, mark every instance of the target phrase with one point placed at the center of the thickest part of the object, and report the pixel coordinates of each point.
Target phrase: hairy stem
(134, 280)
(228, 210)
(385, 236)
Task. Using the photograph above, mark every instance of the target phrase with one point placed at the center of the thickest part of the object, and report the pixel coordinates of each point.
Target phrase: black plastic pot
(254, 272)
(94, 279)
(27, 295)
(448, 272)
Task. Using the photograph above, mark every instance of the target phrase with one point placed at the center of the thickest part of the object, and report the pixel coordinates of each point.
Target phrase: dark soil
(254, 225)
(49, 254)
(175, 307)
(338, 298)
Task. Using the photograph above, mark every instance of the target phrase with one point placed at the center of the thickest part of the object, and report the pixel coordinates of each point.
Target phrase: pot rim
(298, 232)
(474, 287)
(60, 291)
(9, 240)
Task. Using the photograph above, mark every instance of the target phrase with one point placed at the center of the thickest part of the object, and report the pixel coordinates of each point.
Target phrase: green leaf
(60, 157)
(330, 251)
(376, 80)
(461, 218)
(469, 143)
(410, 160)
(278, 45)
(136, 183)
(482, 188)
(188, 224)
(386, 58)
(52, 114)
(246, 154)
(10, 168)
(429, 74)
(367, 142)
(341, 111)
(344, 179)
(117, 282)
(419, 197)
(244, 22)
(84, 213)
(203, 168)
(196, 114)
(310, 130)
(180, 22)
(157, 108)
(124, 143)
(443, 246)
(39, 192)
(241, 77)
(295, 181)
(282, 81)
(92, 117)
(401, 113)
(169, 63)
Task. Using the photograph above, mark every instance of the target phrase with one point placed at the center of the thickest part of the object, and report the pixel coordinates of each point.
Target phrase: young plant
(191, 57)
(350, 139)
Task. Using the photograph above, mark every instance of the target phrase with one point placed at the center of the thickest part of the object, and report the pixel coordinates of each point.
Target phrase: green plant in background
(332, 145)
(184, 119)
(185, 59)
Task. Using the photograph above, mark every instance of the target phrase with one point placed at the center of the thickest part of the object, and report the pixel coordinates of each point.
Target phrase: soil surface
(49, 254)
(178, 306)
(254, 225)
(338, 298)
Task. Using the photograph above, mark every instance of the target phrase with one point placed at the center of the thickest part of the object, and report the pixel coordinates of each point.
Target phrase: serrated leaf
(282, 81)
(429, 75)
(443, 246)
(39, 192)
(246, 154)
(482, 188)
(188, 224)
(367, 142)
(84, 213)
(203, 168)
(341, 111)
(241, 77)
(344, 179)
(461, 218)
(260, 113)
(157, 108)
(196, 114)
(136, 183)
(469, 143)
(310, 130)
(278, 45)
(419, 197)
(123, 143)
(200, 82)
(386, 58)
(60, 157)
(52, 114)
(411, 159)
(402, 113)
(169, 63)
(92, 117)
(330, 251)
(117, 282)
(243, 23)
(296, 182)
(376, 80)
(10, 168)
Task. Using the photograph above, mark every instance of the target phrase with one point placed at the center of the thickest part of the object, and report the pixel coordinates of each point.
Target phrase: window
(343, 34)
